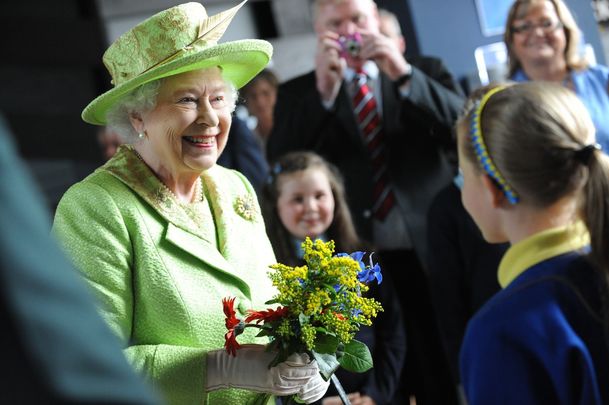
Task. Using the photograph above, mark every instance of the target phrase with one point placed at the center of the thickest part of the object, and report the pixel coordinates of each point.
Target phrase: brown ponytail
(595, 210)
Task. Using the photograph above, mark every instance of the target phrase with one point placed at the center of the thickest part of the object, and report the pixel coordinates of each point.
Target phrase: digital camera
(350, 45)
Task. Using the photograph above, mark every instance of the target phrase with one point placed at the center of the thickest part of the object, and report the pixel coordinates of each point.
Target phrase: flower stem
(341, 391)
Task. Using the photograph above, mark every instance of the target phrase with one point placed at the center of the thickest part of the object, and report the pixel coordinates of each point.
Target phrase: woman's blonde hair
(573, 56)
(539, 137)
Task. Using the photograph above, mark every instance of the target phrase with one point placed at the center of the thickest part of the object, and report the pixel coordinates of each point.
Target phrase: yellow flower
(308, 335)
(324, 295)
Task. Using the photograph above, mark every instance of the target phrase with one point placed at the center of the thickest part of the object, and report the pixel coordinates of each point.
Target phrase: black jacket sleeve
(462, 269)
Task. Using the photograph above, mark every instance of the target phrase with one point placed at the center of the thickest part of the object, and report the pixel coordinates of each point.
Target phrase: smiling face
(305, 204)
(538, 35)
(188, 128)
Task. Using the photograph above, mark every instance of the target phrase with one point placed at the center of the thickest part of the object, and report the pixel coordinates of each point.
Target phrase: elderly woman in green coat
(161, 232)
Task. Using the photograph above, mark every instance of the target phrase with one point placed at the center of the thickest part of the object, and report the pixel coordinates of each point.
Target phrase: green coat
(161, 268)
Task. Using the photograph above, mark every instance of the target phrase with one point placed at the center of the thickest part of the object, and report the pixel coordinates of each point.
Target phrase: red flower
(230, 342)
(233, 324)
(231, 320)
(269, 315)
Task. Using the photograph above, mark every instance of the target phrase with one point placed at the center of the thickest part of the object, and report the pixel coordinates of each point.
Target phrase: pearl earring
(140, 135)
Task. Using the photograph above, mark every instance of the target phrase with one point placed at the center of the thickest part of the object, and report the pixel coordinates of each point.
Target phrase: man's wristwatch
(405, 78)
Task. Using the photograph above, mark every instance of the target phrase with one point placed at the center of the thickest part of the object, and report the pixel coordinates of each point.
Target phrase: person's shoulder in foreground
(57, 349)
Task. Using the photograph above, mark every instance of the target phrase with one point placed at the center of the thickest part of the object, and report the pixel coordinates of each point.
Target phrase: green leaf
(327, 364)
(356, 358)
(326, 343)
(324, 331)
(271, 302)
(264, 332)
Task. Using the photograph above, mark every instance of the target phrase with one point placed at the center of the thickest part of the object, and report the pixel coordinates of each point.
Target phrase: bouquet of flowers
(321, 306)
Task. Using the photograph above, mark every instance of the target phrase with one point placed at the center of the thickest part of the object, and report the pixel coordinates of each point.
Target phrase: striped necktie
(369, 121)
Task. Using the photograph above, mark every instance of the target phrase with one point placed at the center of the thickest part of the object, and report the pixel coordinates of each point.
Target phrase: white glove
(250, 370)
(314, 389)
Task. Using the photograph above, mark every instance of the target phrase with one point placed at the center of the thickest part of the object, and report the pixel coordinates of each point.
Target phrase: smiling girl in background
(305, 197)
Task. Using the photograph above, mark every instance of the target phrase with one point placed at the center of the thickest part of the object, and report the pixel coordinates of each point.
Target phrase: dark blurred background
(51, 60)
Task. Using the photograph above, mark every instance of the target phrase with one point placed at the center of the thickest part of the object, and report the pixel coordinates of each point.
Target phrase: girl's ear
(494, 193)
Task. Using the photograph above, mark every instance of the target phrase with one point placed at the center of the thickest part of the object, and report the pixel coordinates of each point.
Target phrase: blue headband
(482, 152)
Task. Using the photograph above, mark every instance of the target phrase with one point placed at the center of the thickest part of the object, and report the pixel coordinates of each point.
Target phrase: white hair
(140, 100)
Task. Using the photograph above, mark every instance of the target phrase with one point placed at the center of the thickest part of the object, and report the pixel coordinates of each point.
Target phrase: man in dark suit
(316, 112)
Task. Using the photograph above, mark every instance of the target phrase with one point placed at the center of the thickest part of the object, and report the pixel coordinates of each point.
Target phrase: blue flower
(370, 273)
(357, 256)
(367, 273)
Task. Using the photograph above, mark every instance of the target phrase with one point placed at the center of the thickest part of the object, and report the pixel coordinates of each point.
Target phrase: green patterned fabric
(173, 41)
(160, 267)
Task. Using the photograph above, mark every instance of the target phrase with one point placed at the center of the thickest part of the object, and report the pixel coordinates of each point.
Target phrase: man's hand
(329, 66)
(385, 53)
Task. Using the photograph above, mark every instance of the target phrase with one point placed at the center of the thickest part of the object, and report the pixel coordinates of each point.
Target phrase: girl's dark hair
(535, 134)
(265, 75)
(342, 230)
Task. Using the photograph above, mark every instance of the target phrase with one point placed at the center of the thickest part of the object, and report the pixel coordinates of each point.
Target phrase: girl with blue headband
(534, 176)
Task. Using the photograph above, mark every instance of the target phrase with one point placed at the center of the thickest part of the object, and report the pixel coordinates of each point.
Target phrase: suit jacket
(56, 349)
(161, 268)
(244, 154)
(417, 131)
(463, 277)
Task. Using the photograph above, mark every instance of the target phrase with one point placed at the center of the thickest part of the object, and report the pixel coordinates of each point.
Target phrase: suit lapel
(206, 252)
(127, 167)
(344, 113)
(219, 194)
(196, 246)
(185, 230)
(390, 106)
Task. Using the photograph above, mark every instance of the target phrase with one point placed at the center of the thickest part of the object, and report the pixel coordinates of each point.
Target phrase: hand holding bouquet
(321, 306)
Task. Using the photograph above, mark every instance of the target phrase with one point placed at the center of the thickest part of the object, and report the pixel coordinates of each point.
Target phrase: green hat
(177, 40)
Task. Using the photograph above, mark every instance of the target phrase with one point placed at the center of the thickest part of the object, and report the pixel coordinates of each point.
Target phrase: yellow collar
(539, 247)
